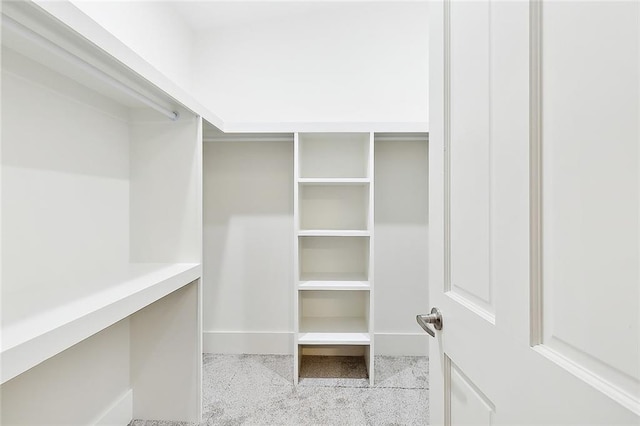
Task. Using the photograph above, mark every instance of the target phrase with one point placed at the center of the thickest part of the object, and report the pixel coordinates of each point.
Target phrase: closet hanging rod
(31, 35)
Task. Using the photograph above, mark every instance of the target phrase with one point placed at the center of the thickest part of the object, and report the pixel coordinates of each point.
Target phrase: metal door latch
(435, 318)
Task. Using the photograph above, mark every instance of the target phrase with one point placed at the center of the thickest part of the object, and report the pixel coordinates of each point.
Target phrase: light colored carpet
(259, 390)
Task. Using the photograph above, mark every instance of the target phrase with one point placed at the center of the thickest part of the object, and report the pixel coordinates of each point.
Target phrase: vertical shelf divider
(297, 357)
(370, 174)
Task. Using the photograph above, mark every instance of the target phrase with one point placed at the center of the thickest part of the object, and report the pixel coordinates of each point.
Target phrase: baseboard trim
(120, 413)
(402, 344)
(281, 343)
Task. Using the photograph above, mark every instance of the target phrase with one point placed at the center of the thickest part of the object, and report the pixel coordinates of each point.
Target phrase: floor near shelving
(259, 390)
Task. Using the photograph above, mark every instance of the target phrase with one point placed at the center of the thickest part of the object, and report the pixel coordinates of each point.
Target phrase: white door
(534, 212)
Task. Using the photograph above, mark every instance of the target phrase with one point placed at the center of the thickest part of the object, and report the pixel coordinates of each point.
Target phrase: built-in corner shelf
(333, 213)
(30, 337)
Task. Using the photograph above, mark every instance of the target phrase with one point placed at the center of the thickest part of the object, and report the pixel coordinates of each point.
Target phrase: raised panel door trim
(555, 350)
(483, 308)
(451, 369)
(535, 172)
(447, 144)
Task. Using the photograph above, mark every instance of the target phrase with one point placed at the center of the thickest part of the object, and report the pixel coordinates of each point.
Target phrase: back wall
(330, 62)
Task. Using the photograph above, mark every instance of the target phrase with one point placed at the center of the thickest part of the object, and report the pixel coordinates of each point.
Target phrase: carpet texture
(259, 390)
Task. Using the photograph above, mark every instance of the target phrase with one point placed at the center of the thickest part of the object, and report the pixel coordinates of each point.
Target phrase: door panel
(469, 146)
(534, 212)
(590, 188)
(469, 405)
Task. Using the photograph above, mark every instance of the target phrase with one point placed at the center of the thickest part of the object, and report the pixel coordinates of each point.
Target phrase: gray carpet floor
(259, 390)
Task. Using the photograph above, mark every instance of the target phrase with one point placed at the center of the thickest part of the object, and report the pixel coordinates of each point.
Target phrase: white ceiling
(207, 15)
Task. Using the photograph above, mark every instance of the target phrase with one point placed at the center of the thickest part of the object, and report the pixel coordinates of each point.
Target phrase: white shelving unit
(101, 235)
(333, 215)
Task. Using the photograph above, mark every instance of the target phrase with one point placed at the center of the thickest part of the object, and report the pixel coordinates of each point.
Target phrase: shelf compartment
(336, 331)
(334, 317)
(352, 362)
(334, 350)
(334, 207)
(351, 366)
(333, 258)
(29, 338)
(334, 155)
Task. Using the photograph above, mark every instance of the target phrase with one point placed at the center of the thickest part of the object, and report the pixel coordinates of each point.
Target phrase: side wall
(401, 226)
(248, 247)
(151, 29)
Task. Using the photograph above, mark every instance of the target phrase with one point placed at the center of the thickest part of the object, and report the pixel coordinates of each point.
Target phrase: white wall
(152, 29)
(248, 247)
(50, 171)
(401, 238)
(341, 62)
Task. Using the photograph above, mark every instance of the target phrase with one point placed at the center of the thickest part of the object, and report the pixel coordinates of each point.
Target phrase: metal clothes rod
(29, 34)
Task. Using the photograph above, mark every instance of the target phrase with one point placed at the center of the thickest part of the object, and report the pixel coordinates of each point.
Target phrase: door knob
(435, 318)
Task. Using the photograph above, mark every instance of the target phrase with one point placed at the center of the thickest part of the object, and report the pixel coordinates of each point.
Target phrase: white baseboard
(237, 342)
(120, 413)
(281, 343)
(402, 344)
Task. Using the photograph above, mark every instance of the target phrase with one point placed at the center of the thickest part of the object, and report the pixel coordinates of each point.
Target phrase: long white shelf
(333, 331)
(31, 338)
(334, 181)
(333, 233)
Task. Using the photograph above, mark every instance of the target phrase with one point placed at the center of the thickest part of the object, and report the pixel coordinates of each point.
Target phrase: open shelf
(333, 331)
(334, 339)
(339, 257)
(334, 207)
(334, 317)
(351, 367)
(334, 181)
(335, 285)
(334, 155)
(333, 233)
(31, 336)
(333, 281)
